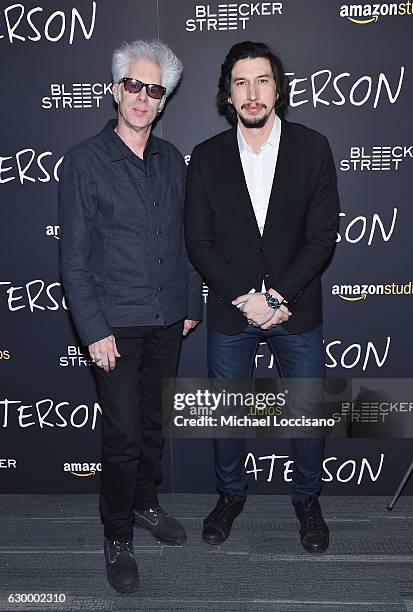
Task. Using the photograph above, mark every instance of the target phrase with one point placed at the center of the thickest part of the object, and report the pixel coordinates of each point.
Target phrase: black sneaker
(217, 525)
(313, 529)
(163, 526)
(121, 568)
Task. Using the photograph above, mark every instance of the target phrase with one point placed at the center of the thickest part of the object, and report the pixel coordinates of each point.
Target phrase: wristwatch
(272, 301)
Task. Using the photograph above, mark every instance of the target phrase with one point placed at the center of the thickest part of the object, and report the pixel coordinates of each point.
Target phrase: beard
(254, 122)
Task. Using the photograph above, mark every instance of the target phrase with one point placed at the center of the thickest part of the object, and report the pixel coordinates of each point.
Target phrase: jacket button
(156, 316)
(160, 260)
(157, 231)
(266, 276)
(160, 288)
(156, 203)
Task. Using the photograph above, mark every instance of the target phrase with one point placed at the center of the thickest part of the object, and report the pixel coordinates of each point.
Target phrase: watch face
(272, 301)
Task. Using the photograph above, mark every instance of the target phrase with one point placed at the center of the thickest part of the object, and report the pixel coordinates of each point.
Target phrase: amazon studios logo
(78, 95)
(82, 469)
(53, 231)
(354, 293)
(231, 16)
(370, 13)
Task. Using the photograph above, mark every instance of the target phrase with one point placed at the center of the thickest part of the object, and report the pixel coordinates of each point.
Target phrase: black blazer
(223, 239)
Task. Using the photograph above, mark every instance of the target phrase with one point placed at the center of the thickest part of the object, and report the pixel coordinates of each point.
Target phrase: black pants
(132, 440)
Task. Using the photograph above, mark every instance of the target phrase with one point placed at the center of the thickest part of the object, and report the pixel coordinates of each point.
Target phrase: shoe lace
(122, 546)
(158, 511)
(313, 519)
(222, 511)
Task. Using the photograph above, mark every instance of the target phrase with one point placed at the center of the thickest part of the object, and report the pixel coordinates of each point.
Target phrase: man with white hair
(131, 290)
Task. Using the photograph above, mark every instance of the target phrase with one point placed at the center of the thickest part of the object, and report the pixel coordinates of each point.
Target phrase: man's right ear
(116, 92)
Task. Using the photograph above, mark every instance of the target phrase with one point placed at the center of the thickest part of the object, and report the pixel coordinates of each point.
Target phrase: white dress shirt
(259, 169)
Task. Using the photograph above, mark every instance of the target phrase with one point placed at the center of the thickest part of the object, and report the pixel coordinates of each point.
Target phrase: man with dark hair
(132, 291)
(261, 220)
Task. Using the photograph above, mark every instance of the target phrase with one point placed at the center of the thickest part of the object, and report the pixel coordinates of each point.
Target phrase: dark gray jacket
(123, 257)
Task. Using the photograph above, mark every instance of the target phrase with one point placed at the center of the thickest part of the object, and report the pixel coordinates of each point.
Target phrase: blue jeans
(297, 356)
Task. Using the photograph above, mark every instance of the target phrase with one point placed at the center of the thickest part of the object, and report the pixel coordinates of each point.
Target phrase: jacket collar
(118, 149)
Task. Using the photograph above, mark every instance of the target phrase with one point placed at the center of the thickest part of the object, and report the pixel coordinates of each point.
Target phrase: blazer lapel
(239, 201)
(282, 177)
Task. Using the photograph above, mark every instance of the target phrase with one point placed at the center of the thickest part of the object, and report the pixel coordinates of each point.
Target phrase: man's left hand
(255, 308)
(189, 325)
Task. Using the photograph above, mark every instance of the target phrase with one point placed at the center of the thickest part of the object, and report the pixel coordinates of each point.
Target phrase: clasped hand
(256, 310)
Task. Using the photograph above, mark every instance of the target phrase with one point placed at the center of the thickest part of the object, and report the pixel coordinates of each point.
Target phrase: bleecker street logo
(78, 95)
(74, 357)
(355, 293)
(231, 16)
(7, 464)
(205, 291)
(370, 13)
(82, 469)
(376, 159)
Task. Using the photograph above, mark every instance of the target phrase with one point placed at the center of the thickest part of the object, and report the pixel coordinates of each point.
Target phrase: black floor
(53, 544)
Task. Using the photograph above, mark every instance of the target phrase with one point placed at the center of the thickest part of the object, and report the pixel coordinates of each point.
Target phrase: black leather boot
(313, 530)
(121, 568)
(217, 525)
(163, 526)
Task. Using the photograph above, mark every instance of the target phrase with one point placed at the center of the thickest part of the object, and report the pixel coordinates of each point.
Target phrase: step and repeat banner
(351, 78)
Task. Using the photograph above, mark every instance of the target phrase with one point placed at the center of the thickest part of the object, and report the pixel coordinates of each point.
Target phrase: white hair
(154, 50)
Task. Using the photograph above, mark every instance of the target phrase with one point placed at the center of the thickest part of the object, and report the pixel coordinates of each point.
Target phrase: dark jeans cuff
(146, 499)
(122, 538)
(236, 495)
(299, 499)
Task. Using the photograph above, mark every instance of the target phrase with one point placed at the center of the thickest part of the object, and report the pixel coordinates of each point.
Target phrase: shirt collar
(118, 149)
(272, 138)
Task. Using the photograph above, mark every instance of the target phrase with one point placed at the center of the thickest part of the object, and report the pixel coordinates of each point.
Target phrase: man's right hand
(104, 352)
(280, 315)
